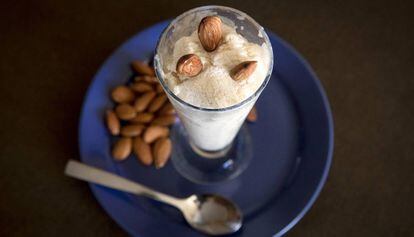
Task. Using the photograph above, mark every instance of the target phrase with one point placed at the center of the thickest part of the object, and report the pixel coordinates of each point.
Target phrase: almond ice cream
(214, 88)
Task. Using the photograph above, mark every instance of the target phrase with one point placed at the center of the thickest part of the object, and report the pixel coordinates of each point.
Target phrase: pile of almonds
(141, 118)
(210, 35)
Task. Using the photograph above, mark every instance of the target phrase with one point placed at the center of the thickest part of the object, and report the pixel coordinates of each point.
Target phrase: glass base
(205, 167)
(211, 154)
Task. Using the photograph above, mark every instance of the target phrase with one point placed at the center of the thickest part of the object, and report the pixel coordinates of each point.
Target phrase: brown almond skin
(157, 103)
(141, 87)
(148, 79)
(162, 151)
(142, 102)
(167, 109)
(122, 148)
(132, 130)
(143, 118)
(210, 33)
(252, 116)
(159, 89)
(125, 111)
(143, 151)
(112, 122)
(164, 120)
(189, 65)
(122, 94)
(243, 70)
(142, 68)
(154, 132)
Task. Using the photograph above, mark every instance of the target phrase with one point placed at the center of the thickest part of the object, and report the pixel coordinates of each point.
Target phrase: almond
(167, 109)
(141, 103)
(122, 94)
(132, 130)
(142, 118)
(157, 103)
(112, 122)
(143, 151)
(162, 151)
(122, 148)
(141, 87)
(125, 111)
(252, 116)
(164, 120)
(148, 79)
(142, 68)
(154, 132)
(209, 32)
(189, 65)
(243, 70)
(159, 89)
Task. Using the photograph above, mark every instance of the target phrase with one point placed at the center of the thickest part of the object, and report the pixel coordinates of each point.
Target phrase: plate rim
(331, 134)
(315, 79)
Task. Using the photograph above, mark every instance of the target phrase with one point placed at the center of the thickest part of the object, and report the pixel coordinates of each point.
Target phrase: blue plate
(292, 145)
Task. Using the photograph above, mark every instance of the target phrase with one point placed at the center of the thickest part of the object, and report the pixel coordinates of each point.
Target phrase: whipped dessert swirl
(213, 86)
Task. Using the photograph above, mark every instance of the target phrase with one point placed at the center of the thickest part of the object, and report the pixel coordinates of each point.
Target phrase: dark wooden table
(363, 52)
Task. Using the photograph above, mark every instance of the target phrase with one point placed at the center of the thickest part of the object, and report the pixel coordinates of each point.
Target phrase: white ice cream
(213, 88)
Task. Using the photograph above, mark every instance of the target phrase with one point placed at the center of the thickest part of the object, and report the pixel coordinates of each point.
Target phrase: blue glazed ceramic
(292, 150)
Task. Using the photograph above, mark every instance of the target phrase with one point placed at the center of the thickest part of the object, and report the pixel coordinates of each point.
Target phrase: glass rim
(245, 101)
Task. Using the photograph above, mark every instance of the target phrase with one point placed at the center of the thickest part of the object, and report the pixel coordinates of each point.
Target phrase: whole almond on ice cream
(143, 151)
(162, 151)
(243, 70)
(189, 65)
(210, 33)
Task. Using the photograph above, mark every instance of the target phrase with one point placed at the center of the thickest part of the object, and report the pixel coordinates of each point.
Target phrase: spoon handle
(91, 174)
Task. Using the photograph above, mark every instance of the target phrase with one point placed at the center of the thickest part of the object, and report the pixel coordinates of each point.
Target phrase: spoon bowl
(212, 214)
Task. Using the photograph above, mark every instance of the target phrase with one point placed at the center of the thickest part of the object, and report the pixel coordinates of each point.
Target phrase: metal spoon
(208, 213)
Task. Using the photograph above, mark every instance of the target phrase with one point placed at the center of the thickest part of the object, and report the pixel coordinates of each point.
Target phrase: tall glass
(210, 131)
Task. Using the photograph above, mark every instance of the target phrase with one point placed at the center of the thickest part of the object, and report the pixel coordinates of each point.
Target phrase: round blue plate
(292, 146)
